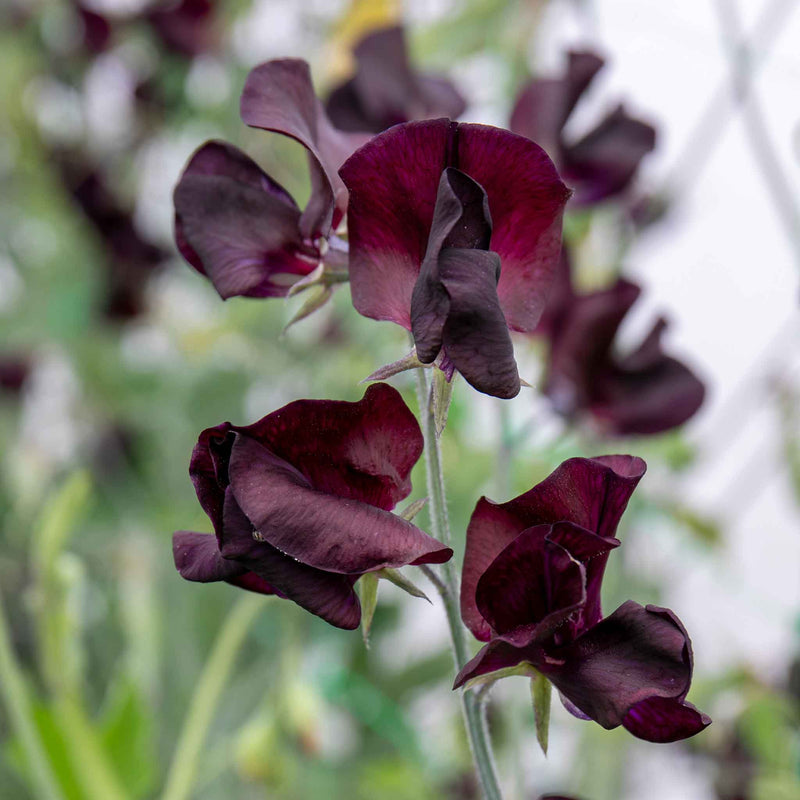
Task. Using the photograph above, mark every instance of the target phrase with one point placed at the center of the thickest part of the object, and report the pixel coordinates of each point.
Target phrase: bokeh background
(114, 354)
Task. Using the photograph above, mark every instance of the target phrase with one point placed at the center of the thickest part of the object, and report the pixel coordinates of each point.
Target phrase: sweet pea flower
(642, 392)
(603, 162)
(385, 90)
(239, 227)
(454, 234)
(531, 588)
(300, 502)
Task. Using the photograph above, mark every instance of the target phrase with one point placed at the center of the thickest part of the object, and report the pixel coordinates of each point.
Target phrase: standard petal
(319, 529)
(393, 182)
(279, 96)
(362, 451)
(664, 719)
(589, 492)
(208, 470)
(475, 335)
(604, 161)
(633, 655)
(531, 588)
(237, 226)
(326, 594)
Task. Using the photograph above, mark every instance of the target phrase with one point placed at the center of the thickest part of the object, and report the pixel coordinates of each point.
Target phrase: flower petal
(591, 493)
(385, 89)
(234, 224)
(391, 212)
(279, 96)
(319, 529)
(496, 655)
(362, 451)
(326, 594)
(648, 391)
(604, 161)
(197, 558)
(545, 104)
(633, 655)
(664, 719)
(531, 588)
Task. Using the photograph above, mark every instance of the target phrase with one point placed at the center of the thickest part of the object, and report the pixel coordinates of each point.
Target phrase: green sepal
(441, 395)
(398, 579)
(523, 668)
(407, 362)
(368, 594)
(541, 693)
(313, 303)
(412, 509)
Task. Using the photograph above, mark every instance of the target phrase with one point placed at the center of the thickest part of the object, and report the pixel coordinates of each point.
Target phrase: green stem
(206, 696)
(471, 705)
(15, 695)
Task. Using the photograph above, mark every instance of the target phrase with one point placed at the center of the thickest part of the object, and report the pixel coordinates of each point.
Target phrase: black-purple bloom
(300, 502)
(603, 162)
(455, 231)
(236, 225)
(385, 89)
(531, 588)
(644, 391)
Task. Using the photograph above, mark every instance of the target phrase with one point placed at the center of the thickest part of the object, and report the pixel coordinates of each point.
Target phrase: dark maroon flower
(300, 502)
(531, 588)
(239, 227)
(642, 392)
(14, 371)
(603, 162)
(454, 232)
(386, 90)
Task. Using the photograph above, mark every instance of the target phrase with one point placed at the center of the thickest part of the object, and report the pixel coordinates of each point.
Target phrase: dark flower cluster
(453, 233)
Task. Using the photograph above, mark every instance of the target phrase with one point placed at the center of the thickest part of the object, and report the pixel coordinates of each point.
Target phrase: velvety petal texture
(386, 90)
(600, 164)
(300, 502)
(455, 234)
(236, 225)
(643, 392)
(531, 589)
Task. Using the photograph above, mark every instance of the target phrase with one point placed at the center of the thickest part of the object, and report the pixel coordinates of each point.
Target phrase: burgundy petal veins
(591, 493)
(385, 89)
(300, 501)
(236, 225)
(393, 182)
(279, 96)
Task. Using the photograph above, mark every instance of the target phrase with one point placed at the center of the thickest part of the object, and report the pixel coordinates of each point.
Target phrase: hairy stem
(471, 704)
(206, 696)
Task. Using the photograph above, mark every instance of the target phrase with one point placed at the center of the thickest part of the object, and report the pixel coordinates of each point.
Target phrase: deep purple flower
(386, 90)
(239, 227)
(603, 162)
(454, 232)
(185, 27)
(642, 392)
(531, 588)
(300, 502)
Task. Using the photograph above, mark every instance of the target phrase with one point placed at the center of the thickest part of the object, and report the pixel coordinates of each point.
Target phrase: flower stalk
(471, 704)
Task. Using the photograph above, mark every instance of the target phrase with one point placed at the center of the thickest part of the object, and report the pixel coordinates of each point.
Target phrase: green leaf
(541, 691)
(368, 594)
